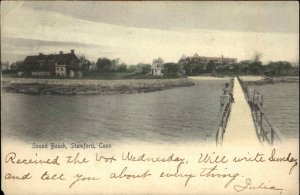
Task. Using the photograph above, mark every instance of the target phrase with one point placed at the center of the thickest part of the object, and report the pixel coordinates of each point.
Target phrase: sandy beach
(251, 78)
(207, 78)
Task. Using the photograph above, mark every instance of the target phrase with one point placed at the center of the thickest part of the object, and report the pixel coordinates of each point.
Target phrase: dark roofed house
(218, 61)
(61, 65)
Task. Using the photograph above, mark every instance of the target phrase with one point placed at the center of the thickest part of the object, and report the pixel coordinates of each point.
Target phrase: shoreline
(210, 78)
(261, 81)
(89, 87)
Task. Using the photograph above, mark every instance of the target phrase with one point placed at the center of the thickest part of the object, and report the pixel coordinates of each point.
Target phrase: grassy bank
(88, 86)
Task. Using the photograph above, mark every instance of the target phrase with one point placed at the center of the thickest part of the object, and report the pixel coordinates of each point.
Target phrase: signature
(249, 185)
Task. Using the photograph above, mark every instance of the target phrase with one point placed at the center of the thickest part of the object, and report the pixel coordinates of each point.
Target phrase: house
(60, 65)
(218, 61)
(157, 67)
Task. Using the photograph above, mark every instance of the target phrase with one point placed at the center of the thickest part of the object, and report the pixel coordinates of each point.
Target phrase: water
(175, 115)
(281, 105)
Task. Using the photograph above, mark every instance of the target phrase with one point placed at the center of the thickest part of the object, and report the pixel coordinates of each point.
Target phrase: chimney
(60, 52)
(72, 50)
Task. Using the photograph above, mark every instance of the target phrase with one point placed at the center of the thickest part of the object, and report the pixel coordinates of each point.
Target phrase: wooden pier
(241, 122)
(240, 129)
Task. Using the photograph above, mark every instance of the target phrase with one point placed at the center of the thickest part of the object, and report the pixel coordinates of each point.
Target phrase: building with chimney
(59, 65)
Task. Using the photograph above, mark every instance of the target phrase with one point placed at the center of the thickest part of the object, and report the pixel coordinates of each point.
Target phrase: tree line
(254, 66)
(107, 65)
(278, 68)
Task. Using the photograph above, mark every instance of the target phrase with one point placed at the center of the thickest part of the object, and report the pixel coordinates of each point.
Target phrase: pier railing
(225, 107)
(265, 131)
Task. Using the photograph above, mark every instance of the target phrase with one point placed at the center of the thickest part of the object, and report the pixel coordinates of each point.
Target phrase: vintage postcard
(144, 97)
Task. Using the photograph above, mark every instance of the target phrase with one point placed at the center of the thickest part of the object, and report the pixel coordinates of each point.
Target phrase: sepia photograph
(140, 86)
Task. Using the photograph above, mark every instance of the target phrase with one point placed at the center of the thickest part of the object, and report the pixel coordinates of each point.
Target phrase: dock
(240, 128)
(244, 122)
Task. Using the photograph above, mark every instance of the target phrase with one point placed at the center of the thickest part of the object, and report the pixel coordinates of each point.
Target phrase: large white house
(157, 67)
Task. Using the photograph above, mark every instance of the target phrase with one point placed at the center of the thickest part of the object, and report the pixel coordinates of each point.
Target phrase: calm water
(174, 115)
(281, 104)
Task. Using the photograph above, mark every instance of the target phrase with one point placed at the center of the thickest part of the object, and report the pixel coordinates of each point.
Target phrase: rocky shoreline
(89, 87)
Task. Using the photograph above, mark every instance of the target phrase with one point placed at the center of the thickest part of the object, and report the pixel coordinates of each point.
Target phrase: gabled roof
(56, 58)
(196, 55)
(158, 60)
(183, 57)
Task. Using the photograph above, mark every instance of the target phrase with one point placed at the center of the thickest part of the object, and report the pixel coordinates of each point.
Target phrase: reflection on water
(175, 115)
(281, 105)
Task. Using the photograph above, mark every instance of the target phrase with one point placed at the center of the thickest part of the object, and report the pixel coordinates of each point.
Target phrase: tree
(114, 65)
(142, 68)
(286, 67)
(196, 68)
(257, 56)
(226, 68)
(187, 69)
(278, 68)
(210, 66)
(171, 69)
(131, 68)
(244, 66)
(255, 66)
(85, 63)
(122, 68)
(146, 68)
(236, 68)
(297, 65)
(193, 68)
(254, 69)
(104, 64)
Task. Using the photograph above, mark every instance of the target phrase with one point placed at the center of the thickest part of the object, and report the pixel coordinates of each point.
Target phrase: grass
(106, 76)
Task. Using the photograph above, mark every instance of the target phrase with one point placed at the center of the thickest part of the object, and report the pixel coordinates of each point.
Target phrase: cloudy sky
(141, 31)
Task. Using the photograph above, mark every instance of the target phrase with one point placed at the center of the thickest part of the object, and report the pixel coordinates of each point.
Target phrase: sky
(139, 32)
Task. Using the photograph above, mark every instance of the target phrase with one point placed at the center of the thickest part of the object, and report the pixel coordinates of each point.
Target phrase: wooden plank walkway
(240, 128)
